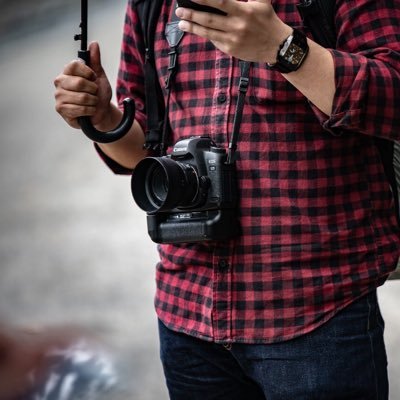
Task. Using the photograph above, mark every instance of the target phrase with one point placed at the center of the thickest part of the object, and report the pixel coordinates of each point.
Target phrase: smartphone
(199, 7)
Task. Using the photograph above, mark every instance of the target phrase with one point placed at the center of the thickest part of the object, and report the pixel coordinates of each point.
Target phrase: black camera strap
(242, 90)
(174, 35)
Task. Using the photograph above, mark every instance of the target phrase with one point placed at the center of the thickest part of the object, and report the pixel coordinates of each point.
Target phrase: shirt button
(224, 63)
(221, 98)
(223, 264)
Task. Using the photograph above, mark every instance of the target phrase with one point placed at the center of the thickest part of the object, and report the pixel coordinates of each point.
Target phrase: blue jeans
(345, 359)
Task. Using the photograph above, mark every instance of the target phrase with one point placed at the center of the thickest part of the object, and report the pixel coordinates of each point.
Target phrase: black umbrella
(129, 105)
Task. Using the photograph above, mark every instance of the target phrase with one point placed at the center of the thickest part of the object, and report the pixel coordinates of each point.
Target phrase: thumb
(95, 58)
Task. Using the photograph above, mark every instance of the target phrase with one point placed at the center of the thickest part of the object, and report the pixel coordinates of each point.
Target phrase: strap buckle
(243, 84)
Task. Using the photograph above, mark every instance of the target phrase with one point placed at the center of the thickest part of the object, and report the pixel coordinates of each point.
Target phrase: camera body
(189, 195)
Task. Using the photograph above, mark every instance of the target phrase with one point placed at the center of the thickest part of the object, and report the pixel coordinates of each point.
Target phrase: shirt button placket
(222, 297)
(220, 111)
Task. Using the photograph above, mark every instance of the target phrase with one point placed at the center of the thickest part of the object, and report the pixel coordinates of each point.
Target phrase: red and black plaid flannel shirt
(319, 227)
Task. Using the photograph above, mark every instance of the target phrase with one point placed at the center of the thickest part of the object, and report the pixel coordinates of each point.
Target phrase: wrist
(111, 117)
(281, 32)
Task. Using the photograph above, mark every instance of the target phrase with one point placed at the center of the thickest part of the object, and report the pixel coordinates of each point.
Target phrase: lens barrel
(162, 184)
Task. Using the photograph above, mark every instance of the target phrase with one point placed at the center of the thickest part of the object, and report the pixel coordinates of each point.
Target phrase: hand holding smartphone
(199, 7)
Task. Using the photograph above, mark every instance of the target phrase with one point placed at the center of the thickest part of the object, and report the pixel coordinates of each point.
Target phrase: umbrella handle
(129, 105)
(111, 136)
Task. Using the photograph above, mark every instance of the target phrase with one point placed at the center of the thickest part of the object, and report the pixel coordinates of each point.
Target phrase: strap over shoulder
(319, 17)
(149, 13)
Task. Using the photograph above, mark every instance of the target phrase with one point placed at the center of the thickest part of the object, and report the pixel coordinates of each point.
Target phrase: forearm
(316, 78)
(127, 151)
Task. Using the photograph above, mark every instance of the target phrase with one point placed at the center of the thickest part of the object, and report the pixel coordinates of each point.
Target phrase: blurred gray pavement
(73, 246)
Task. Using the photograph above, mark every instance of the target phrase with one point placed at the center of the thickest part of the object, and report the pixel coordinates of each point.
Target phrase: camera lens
(162, 184)
(157, 185)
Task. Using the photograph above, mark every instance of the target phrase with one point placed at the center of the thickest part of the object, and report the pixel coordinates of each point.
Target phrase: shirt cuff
(348, 101)
(112, 164)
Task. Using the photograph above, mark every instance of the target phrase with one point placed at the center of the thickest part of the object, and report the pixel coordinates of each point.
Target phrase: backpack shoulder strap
(149, 12)
(319, 17)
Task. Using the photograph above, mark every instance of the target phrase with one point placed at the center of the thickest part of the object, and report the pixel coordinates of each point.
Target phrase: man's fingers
(95, 58)
(73, 111)
(71, 105)
(73, 123)
(206, 25)
(79, 68)
(228, 6)
(207, 33)
(217, 22)
(76, 84)
(208, 20)
(77, 98)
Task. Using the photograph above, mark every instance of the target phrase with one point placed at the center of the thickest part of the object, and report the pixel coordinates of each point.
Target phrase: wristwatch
(292, 53)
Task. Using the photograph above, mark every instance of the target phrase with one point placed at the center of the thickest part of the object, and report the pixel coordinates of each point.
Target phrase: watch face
(294, 54)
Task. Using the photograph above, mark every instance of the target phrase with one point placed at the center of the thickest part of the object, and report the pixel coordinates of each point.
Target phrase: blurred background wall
(73, 246)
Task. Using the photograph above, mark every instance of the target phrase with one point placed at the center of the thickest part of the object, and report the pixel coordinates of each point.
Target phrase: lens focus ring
(162, 184)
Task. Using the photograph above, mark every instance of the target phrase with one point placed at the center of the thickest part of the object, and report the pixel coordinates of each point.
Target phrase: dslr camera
(189, 195)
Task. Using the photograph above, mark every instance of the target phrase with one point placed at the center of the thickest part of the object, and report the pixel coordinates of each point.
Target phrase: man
(287, 309)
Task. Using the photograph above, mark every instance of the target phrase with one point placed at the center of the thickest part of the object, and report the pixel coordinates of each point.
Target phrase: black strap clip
(173, 54)
(243, 84)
